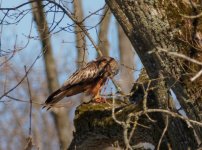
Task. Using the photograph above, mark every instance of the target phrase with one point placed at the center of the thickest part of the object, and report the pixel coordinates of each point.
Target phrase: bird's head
(114, 67)
(110, 65)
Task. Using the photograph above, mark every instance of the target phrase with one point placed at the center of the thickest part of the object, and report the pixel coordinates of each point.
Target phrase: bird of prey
(88, 79)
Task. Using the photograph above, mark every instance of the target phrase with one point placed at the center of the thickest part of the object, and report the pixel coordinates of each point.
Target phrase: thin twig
(196, 76)
(125, 126)
(79, 24)
(113, 114)
(168, 112)
(14, 8)
(26, 73)
(24, 101)
(179, 55)
(125, 132)
(184, 57)
(163, 133)
(30, 99)
(59, 105)
(133, 129)
(191, 17)
(145, 99)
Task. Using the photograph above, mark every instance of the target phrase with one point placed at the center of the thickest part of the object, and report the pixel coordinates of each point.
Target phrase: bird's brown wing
(77, 82)
(88, 73)
(82, 75)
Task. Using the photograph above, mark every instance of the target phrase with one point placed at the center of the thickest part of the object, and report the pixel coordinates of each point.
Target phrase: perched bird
(89, 79)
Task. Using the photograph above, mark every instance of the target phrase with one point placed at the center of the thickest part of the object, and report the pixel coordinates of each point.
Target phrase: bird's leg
(98, 99)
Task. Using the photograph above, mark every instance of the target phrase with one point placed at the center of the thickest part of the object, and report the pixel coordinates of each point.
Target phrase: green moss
(92, 115)
(95, 117)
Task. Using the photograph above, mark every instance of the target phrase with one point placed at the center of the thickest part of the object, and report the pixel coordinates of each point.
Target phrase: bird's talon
(100, 100)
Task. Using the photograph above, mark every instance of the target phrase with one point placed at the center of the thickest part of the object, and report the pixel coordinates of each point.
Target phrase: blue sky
(62, 42)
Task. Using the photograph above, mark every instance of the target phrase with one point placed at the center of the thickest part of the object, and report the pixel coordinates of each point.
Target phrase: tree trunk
(80, 36)
(156, 24)
(61, 117)
(103, 33)
(126, 61)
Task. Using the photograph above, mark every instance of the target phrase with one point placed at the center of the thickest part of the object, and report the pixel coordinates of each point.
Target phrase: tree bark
(152, 25)
(80, 36)
(61, 117)
(178, 134)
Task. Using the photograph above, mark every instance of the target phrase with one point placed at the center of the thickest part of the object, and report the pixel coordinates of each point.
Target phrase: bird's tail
(54, 98)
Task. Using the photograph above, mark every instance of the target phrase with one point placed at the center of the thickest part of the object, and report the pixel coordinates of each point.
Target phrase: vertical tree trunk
(126, 61)
(61, 117)
(103, 33)
(80, 39)
(80, 36)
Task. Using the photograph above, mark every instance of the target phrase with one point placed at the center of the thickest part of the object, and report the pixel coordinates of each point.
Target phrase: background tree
(103, 32)
(126, 60)
(80, 36)
(61, 117)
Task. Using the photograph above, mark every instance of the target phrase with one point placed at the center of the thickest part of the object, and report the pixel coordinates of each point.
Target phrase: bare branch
(179, 55)
(168, 112)
(19, 6)
(30, 111)
(68, 14)
(28, 70)
(192, 17)
(196, 76)
(163, 133)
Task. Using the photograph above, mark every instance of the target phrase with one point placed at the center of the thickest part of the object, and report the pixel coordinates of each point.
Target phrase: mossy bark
(96, 129)
(152, 24)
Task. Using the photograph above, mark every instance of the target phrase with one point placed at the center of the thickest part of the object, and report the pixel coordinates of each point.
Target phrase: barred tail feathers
(55, 97)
